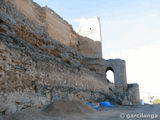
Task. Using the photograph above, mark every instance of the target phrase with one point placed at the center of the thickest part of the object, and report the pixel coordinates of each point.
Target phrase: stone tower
(91, 28)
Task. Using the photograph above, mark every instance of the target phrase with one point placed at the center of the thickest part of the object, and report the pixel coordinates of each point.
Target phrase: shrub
(156, 101)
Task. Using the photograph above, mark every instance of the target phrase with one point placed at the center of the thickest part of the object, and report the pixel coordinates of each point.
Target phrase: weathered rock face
(47, 18)
(57, 28)
(35, 68)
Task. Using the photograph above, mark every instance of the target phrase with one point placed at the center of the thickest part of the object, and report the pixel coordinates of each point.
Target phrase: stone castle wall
(90, 28)
(57, 28)
(37, 68)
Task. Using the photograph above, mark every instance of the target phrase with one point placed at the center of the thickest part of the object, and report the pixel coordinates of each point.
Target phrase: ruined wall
(89, 48)
(118, 67)
(90, 28)
(132, 96)
(57, 28)
(60, 30)
(35, 69)
(119, 91)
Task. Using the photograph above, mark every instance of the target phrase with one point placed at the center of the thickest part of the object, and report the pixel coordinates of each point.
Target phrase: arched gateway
(118, 67)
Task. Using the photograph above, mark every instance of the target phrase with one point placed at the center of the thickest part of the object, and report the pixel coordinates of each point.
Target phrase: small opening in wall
(90, 28)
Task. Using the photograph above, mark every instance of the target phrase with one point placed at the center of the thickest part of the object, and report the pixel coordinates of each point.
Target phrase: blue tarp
(102, 104)
(106, 104)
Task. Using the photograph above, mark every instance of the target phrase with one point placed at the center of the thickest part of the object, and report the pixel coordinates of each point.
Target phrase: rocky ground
(80, 111)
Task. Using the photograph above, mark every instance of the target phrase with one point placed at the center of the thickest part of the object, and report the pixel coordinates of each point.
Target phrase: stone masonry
(91, 28)
(43, 60)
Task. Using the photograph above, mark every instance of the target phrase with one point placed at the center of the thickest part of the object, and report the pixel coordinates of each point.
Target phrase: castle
(42, 59)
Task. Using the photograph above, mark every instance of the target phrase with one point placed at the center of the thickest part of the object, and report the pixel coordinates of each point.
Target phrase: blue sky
(130, 31)
(118, 18)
